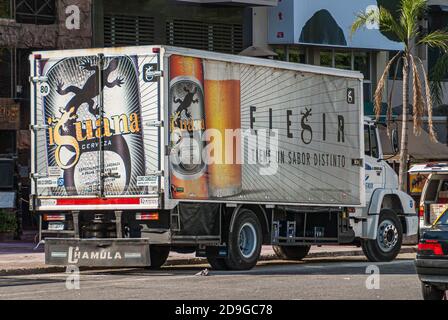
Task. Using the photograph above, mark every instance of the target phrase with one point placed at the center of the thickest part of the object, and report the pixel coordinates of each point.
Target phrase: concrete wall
(18, 35)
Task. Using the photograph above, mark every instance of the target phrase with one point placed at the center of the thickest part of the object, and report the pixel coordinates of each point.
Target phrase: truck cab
(389, 213)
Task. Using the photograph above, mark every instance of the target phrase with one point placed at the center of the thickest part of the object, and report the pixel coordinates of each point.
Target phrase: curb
(194, 261)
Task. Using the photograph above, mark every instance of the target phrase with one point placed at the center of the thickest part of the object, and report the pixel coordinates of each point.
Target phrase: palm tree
(404, 26)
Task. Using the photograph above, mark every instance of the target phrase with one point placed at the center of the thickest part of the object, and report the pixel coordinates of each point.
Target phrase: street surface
(317, 278)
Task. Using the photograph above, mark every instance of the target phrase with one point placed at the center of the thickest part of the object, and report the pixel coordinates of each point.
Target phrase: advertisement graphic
(91, 149)
(255, 133)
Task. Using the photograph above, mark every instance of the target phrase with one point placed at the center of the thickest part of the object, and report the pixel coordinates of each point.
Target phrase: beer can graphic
(223, 113)
(188, 175)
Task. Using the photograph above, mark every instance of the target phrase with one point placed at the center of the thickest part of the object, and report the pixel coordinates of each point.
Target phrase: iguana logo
(185, 104)
(306, 127)
(83, 95)
(90, 90)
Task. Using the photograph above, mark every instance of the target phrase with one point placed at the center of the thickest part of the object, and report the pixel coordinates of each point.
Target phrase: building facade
(318, 33)
(28, 25)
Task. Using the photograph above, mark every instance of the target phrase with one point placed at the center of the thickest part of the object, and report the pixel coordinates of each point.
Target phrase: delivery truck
(137, 151)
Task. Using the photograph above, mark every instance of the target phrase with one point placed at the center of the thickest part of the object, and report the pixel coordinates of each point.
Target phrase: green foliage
(8, 222)
(438, 73)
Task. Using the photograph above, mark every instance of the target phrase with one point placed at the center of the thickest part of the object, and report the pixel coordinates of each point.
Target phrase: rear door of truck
(95, 130)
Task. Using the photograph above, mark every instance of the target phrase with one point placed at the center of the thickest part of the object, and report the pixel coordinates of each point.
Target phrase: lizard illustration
(90, 90)
(185, 104)
(306, 127)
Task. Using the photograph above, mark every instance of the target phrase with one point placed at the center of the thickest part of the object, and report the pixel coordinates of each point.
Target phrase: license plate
(55, 226)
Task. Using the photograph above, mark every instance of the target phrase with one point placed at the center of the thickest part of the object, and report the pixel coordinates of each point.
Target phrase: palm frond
(362, 18)
(432, 133)
(389, 101)
(389, 24)
(436, 39)
(418, 103)
(385, 20)
(438, 73)
(411, 12)
(378, 96)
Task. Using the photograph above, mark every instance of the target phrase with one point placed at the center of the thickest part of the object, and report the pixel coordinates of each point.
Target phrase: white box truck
(141, 150)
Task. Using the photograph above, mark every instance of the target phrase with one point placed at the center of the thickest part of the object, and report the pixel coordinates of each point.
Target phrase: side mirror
(394, 141)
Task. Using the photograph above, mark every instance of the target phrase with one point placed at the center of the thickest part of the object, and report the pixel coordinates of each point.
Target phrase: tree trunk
(403, 171)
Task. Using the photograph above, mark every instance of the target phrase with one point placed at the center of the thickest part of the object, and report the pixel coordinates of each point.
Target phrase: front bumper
(433, 271)
(97, 252)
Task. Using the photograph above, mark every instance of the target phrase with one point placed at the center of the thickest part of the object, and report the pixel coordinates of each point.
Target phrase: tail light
(432, 247)
(421, 211)
(147, 216)
(54, 217)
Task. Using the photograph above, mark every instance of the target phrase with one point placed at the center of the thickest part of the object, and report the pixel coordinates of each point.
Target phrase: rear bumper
(433, 271)
(97, 252)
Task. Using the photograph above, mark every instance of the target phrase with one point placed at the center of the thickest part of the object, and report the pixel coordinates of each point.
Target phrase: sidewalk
(21, 258)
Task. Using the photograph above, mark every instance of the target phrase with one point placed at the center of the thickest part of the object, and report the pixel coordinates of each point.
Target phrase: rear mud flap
(97, 252)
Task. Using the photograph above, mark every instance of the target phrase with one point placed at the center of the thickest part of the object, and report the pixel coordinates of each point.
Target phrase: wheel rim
(387, 235)
(247, 240)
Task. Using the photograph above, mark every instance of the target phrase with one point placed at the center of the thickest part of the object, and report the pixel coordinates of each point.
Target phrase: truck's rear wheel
(158, 255)
(245, 242)
(388, 241)
(291, 252)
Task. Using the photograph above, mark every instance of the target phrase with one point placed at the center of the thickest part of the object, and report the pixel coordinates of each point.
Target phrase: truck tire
(158, 255)
(387, 244)
(217, 263)
(291, 252)
(245, 242)
(431, 292)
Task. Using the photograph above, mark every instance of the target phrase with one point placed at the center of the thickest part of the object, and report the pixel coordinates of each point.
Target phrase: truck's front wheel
(158, 256)
(388, 241)
(244, 242)
(291, 252)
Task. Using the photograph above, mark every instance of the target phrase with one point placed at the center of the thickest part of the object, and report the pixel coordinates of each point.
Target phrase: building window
(350, 60)
(35, 11)
(289, 53)
(343, 60)
(5, 9)
(121, 30)
(6, 73)
(219, 37)
(296, 54)
(326, 58)
(281, 52)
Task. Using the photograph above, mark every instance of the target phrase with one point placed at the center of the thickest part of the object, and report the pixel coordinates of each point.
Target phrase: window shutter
(220, 37)
(122, 30)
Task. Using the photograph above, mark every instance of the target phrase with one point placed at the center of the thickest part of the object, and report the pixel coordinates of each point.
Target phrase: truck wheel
(431, 292)
(158, 255)
(244, 242)
(387, 244)
(291, 252)
(217, 263)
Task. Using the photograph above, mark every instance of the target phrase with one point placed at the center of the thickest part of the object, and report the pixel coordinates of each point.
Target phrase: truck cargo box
(148, 127)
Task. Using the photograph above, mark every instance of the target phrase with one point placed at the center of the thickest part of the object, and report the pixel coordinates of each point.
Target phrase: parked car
(432, 259)
(434, 197)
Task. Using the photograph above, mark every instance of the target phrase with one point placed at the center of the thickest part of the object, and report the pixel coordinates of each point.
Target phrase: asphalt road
(336, 278)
